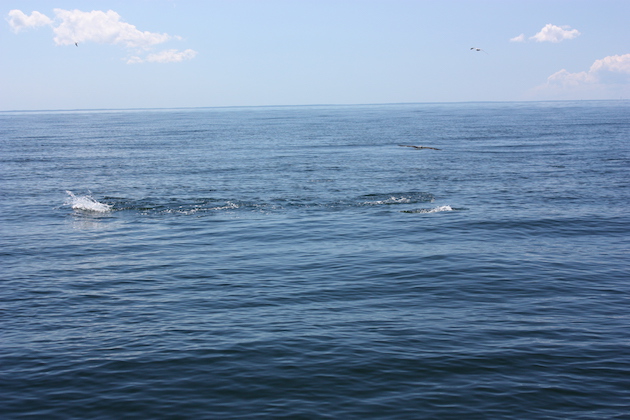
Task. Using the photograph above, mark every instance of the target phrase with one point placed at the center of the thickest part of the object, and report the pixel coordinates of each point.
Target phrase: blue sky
(178, 53)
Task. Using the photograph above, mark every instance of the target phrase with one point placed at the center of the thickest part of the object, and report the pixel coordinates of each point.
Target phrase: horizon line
(299, 105)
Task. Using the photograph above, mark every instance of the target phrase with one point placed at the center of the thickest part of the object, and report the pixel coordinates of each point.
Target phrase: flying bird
(477, 49)
(76, 43)
(418, 147)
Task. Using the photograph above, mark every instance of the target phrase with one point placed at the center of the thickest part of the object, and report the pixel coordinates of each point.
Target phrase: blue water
(295, 262)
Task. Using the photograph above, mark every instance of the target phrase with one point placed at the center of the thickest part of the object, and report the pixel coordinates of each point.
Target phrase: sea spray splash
(87, 203)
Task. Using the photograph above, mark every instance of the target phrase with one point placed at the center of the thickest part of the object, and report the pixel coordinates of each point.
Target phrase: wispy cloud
(75, 26)
(550, 33)
(166, 56)
(520, 38)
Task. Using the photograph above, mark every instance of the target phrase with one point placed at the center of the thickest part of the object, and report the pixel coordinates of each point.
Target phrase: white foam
(440, 208)
(390, 200)
(87, 203)
(228, 206)
(433, 210)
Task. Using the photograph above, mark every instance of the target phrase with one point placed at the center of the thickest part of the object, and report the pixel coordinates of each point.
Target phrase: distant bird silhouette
(477, 49)
(76, 43)
(418, 147)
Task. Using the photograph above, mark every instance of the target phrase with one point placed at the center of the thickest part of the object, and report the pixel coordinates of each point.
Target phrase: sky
(57, 54)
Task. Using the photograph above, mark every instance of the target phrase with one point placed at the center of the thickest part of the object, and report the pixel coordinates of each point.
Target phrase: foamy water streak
(433, 210)
(87, 203)
(390, 200)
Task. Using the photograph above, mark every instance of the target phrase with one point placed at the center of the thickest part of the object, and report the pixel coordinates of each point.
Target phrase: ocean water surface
(296, 262)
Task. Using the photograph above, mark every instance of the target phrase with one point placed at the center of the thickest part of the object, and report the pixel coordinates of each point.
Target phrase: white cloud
(599, 72)
(565, 78)
(101, 27)
(550, 33)
(553, 33)
(612, 63)
(607, 78)
(71, 26)
(18, 20)
(166, 56)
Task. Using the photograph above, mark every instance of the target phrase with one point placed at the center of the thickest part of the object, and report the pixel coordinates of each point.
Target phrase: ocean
(298, 263)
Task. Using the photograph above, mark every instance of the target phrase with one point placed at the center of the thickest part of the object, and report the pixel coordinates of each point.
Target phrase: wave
(87, 203)
(189, 206)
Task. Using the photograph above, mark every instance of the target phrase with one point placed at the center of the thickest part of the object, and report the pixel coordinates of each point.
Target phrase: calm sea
(296, 262)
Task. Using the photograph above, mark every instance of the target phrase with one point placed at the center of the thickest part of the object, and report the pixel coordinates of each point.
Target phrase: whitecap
(87, 203)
